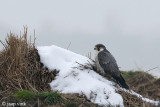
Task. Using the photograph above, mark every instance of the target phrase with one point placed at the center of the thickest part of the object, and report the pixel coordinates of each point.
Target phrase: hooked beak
(95, 48)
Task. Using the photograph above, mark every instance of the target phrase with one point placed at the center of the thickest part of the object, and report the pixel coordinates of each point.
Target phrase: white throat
(96, 51)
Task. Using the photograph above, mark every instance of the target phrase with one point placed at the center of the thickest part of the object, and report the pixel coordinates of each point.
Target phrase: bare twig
(3, 44)
(68, 45)
(151, 69)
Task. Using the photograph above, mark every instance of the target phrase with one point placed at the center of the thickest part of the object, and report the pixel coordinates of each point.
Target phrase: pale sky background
(130, 29)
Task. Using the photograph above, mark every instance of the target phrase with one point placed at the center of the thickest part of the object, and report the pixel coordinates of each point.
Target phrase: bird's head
(99, 47)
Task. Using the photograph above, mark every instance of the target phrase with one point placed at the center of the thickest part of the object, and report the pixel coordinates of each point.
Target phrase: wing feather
(108, 63)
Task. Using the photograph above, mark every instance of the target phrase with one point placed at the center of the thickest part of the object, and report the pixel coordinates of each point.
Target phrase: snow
(73, 79)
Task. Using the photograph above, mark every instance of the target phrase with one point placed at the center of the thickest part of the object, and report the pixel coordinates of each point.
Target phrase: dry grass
(145, 84)
(20, 66)
(133, 101)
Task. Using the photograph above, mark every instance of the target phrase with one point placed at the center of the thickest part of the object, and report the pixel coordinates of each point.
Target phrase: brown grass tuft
(20, 66)
(146, 85)
(133, 101)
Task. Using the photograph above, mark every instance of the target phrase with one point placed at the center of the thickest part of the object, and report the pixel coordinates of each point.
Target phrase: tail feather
(122, 82)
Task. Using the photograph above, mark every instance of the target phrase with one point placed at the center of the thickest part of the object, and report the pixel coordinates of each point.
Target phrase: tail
(122, 82)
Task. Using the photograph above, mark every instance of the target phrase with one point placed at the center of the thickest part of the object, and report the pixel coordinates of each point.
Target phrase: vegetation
(20, 66)
(25, 95)
(129, 75)
(47, 98)
(143, 83)
(50, 97)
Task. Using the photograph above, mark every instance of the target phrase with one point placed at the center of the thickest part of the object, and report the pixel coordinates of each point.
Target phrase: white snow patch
(73, 80)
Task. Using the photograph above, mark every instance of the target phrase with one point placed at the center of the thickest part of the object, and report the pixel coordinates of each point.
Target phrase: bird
(107, 65)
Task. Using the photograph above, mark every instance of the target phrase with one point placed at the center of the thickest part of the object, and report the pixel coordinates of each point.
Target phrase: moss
(25, 95)
(46, 97)
(128, 75)
(50, 97)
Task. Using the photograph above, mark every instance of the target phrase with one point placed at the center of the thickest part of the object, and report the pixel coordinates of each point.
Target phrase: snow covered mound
(73, 80)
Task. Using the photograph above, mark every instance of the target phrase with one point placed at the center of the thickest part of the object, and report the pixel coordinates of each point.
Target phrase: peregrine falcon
(106, 64)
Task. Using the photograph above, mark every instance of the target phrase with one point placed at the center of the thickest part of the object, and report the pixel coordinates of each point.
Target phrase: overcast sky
(130, 29)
